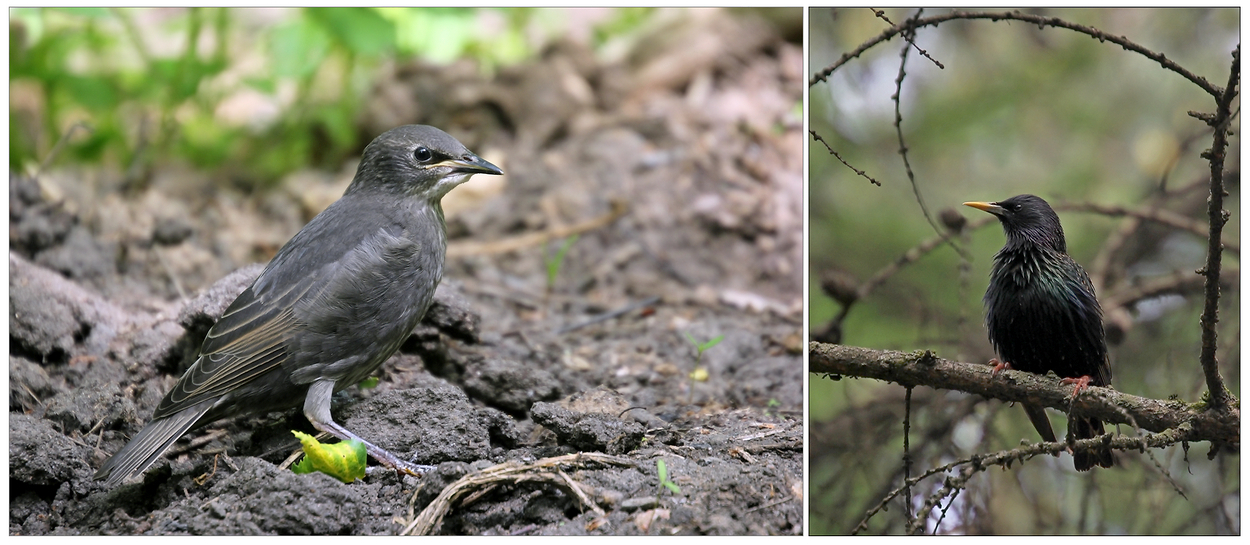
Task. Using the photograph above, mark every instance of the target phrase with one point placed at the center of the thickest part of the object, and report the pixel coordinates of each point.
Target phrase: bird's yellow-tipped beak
(986, 206)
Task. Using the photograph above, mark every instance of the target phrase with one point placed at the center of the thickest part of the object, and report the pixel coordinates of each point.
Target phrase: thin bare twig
(952, 486)
(818, 138)
(907, 453)
(460, 249)
(911, 40)
(897, 97)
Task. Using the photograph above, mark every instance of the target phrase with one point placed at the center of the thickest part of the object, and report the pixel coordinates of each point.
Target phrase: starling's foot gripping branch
(998, 366)
(1081, 383)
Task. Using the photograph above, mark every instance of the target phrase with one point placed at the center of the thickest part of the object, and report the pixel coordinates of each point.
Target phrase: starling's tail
(1037, 415)
(1088, 428)
(149, 444)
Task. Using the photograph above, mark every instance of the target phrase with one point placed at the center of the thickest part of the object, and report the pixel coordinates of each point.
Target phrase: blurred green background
(1017, 109)
(263, 90)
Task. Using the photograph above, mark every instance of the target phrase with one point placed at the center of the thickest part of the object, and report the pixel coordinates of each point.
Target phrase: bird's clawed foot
(1081, 384)
(409, 468)
(401, 466)
(998, 366)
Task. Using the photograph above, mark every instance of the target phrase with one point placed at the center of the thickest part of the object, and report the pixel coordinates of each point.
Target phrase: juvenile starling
(1042, 313)
(336, 301)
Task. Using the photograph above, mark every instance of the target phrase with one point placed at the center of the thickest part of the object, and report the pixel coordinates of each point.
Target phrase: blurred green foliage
(149, 82)
(1017, 109)
(627, 21)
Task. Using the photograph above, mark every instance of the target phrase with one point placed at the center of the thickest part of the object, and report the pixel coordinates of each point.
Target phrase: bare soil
(679, 166)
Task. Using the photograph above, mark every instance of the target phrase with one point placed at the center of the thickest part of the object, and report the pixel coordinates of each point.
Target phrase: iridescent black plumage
(1042, 313)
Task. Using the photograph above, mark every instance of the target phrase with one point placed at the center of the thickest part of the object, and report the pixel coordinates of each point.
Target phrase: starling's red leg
(999, 366)
(1081, 384)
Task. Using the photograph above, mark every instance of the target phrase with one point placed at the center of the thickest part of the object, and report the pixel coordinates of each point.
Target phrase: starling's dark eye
(422, 154)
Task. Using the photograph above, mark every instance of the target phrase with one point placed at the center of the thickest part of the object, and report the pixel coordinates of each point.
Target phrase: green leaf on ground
(344, 461)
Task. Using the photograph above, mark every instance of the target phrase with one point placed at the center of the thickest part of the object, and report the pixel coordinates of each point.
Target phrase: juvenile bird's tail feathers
(149, 444)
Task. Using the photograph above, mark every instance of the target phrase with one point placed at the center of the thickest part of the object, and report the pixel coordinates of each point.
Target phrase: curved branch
(865, 175)
(1040, 21)
(1005, 458)
(922, 368)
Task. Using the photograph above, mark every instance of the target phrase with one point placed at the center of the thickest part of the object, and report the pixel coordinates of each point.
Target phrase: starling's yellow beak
(990, 207)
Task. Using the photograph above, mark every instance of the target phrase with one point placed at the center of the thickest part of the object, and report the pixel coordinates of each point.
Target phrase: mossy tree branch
(923, 368)
(1217, 216)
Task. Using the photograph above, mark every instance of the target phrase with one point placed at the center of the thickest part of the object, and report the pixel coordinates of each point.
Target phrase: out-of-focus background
(264, 91)
(1017, 109)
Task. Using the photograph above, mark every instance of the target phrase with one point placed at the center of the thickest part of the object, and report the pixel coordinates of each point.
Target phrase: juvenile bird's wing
(248, 341)
(252, 337)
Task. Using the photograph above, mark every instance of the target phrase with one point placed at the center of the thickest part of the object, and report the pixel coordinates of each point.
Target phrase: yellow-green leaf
(344, 461)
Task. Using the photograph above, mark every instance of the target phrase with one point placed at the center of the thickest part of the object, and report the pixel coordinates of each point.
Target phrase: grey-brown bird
(336, 301)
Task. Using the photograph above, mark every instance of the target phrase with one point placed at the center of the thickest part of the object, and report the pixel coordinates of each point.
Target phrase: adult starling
(336, 301)
(1042, 313)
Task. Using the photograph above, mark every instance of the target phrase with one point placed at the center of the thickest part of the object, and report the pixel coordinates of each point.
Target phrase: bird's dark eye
(422, 154)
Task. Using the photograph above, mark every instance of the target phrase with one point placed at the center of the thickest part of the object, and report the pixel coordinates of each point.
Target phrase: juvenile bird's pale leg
(317, 410)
